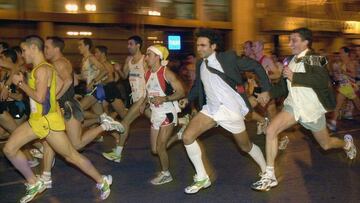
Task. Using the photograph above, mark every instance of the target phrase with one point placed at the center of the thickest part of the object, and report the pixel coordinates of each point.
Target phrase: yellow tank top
(50, 104)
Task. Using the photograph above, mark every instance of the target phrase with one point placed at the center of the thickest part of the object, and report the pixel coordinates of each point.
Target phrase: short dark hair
(191, 54)
(57, 42)
(17, 49)
(10, 53)
(305, 34)
(137, 39)
(248, 42)
(87, 42)
(103, 49)
(346, 49)
(213, 36)
(35, 40)
(4, 45)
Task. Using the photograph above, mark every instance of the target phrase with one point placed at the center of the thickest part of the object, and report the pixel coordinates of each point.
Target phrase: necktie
(297, 60)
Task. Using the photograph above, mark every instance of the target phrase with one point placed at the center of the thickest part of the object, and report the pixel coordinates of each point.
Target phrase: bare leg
(198, 125)
(74, 131)
(21, 136)
(281, 122)
(97, 108)
(49, 155)
(340, 99)
(7, 122)
(119, 107)
(327, 142)
(61, 144)
(133, 113)
(163, 137)
(87, 101)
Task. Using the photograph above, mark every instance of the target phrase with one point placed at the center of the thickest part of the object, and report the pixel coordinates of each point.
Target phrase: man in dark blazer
(306, 85)
(219, 88)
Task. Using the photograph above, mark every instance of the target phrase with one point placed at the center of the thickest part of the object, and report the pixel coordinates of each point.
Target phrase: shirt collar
(302, 53)
(211, 58)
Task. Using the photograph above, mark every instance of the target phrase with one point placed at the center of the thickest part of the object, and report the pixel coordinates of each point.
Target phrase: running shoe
(198, 185)
(104, 187)
(112, 156)
(265, 183)
(350, 147)
(32, 191)
(162, 178)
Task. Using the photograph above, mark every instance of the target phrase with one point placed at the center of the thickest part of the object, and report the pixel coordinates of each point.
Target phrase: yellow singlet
(46, 116)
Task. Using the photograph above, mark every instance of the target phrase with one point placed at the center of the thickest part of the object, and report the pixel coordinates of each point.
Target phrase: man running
(305, 81)
(45, 122)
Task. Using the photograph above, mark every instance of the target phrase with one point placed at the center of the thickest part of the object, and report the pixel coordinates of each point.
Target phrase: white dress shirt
(304, 101)
(218, 92)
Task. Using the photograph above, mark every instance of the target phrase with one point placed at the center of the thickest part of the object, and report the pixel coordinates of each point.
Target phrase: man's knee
(325, 145)
(154, 150)
(271, 133)
(9, 151)
(187, 138)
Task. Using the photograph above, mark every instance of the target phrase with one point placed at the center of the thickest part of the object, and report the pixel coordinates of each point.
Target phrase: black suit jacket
(233, 66)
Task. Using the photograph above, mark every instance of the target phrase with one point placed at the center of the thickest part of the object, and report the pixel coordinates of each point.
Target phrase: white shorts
(162, 119)
(229, 120)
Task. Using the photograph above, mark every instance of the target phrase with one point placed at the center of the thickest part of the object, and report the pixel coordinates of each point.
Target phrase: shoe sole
(266, 189)
(37, 194)
(162, 182)
(204, 187)
(110, 180)
(110, 159)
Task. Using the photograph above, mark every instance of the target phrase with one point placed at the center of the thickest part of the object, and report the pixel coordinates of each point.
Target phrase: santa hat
(160, 51)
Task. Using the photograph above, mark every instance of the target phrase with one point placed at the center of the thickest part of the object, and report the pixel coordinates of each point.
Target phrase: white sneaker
(105, 117)
(350, 147)
(100, 139)
(265, 183)
(184, 120)
(198, 185)
(283, 142)
(36, 153)
(47, 180)
(112, 156)
(33, 163)
(180, 132)
(32, 191)
(104, 187)
(261, 126)
(113, 125)
(162, 178)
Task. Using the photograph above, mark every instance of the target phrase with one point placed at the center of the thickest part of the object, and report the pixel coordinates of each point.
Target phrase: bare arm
(274, 70)
(179, 91)
(175, 83)
(64, 72)
(42, 75)
(103, 72)
(124, 72)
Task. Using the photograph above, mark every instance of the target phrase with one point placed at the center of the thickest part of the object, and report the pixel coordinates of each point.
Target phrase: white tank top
(89, 71)
(154, 89)
(137, 79)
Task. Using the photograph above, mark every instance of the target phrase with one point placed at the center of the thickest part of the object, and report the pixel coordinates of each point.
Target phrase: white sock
(46, 175)
(194, 152)
(167, 172)
(270, 171)
(258, 157)
(118, 150)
